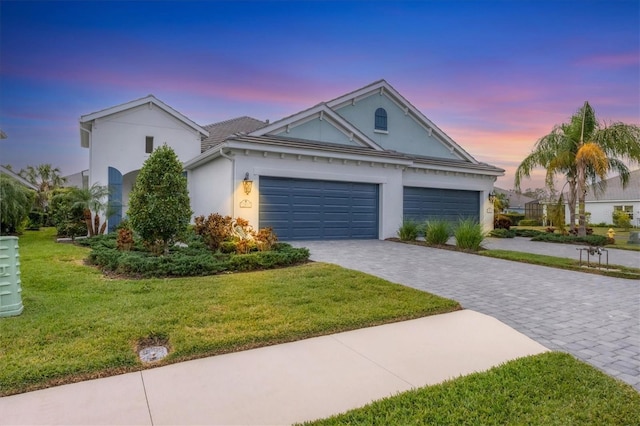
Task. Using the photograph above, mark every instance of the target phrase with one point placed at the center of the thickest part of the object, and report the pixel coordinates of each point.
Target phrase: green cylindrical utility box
(10, 297)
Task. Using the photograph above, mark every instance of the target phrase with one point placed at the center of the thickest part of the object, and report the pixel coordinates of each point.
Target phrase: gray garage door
(301, 209)
(449, 204)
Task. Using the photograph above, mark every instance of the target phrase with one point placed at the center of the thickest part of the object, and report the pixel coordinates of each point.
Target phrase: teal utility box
(10, 290)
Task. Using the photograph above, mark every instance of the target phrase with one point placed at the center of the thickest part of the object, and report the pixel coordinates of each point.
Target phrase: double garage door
(302, 209)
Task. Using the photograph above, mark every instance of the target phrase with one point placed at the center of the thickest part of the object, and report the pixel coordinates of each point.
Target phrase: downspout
(233, 179)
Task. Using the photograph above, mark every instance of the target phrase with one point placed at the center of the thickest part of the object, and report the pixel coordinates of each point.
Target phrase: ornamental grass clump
(437, 232)
(409, 230)
(469, 235)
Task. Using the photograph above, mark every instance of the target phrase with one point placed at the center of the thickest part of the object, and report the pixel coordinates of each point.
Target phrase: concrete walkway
(595, 318)
(282, 384)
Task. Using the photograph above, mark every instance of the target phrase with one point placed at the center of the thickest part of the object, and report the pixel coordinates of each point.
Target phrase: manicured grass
(621, 237)
(78, 324)
(546, 389)
(563, 263)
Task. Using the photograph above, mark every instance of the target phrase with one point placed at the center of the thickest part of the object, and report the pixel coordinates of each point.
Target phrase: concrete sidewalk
(286, 383)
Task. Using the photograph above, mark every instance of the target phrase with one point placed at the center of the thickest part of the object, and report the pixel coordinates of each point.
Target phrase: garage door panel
(299, 209)
(436, 203)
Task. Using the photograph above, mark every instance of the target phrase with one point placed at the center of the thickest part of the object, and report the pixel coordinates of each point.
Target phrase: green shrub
(515, 217)
(502, 233)
(15, 205)
(469, 235)
(527, 232)
(502, 222)
(409, 230)
(530, 222)
(592, 240)
(621, 219)
(159, 207)
(437, 232)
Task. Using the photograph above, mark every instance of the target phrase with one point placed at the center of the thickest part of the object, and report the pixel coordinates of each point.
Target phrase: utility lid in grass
(153, 353)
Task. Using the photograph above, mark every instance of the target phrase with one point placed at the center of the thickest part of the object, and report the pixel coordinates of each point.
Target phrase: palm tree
(46, 178)
(15, 204)
(92, 200)
(583, 150)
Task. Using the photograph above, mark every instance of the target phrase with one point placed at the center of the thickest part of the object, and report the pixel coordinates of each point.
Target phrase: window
(148, 148)
(627, 209)
(381, 119)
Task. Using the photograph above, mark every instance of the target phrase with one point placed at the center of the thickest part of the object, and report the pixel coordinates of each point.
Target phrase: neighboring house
(517, 201)
(22, 181)
(600, 203)
(78, 180)
(352, 167)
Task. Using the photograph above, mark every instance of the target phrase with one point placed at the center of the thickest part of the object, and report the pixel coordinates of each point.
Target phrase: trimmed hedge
(529, 233)
(530, 222)
(502, 233)
(592, 240)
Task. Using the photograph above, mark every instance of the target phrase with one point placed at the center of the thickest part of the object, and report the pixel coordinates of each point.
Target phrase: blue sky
(494, 75)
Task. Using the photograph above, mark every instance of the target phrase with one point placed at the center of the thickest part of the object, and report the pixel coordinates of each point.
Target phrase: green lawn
(78, 324)
(546, 389)
(563, 263)
(621, 237)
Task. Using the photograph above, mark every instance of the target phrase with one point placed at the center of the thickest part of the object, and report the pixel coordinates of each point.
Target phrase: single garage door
(435, 203)
(301, 209)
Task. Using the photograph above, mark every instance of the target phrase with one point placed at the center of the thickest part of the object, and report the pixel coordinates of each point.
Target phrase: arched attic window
(381, 119)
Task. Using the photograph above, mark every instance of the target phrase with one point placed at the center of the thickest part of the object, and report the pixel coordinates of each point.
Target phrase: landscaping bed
(192, 258)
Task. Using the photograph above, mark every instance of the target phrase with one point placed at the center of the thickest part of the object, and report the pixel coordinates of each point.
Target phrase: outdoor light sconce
(247, 184)
(492, 196)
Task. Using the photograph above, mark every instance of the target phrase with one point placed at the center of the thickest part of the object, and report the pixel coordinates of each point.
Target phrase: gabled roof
(86, 120)
(384, 88)
(292, 146)
(613, 189)
(218, 132)
(17, 177)
(323, 112)
(516, 199)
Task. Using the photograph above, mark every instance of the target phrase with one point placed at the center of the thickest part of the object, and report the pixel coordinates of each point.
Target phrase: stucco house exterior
(601, 203)
(351, 167)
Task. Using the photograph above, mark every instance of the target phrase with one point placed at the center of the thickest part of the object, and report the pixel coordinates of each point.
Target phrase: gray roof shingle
(615, 191)
(218, 132)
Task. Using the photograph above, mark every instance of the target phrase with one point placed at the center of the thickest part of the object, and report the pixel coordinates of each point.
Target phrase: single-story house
(351, 167)
(516, 200)
(77, 180)
(601, 203)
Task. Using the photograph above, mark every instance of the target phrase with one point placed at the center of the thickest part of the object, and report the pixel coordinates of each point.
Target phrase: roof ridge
(231, 120)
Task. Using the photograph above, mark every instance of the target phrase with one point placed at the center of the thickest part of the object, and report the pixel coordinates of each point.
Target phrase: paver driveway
(595, 318)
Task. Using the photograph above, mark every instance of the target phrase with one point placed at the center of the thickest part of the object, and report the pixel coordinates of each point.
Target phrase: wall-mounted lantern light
(492, 196)
(247, 184)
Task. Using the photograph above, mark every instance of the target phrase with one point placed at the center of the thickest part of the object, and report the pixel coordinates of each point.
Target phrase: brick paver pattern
(595, 318)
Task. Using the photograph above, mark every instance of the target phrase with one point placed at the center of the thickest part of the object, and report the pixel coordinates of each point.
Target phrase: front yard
(78, 324)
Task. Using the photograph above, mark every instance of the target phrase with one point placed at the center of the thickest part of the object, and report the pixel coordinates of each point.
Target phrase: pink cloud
(618, 60)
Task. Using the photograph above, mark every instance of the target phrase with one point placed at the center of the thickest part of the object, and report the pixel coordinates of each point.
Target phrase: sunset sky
(494, 75)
